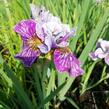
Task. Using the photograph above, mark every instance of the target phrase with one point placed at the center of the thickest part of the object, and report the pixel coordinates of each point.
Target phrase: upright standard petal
(28, 56)
(65, 61)
(40, 14)
(103, 44)
(40, 31)
(58, 33)
(36, 11)
(26, 28)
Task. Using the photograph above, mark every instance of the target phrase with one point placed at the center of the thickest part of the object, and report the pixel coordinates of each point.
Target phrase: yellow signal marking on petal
(64, 50)
(34, 42)
(49, 55)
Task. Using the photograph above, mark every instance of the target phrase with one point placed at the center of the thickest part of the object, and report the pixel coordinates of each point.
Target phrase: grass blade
(52, 94)
(93, 38)
(73, 103)
(19, 89)
(86, 5)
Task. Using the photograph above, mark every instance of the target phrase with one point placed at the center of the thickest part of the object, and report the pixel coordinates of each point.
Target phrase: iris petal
(93, 56)
(46, 47)
(28, 56)
(107, 59)
(69, 34)
(99, 53)
(67, 62)
(26, 28)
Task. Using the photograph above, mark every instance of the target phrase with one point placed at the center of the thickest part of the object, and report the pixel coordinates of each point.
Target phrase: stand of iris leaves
(48, 86)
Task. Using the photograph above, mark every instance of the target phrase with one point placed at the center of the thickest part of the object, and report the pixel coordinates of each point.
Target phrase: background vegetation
(41, 86)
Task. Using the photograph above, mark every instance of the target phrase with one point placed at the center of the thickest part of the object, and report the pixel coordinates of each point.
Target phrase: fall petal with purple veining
(30, 51)
(65, 61)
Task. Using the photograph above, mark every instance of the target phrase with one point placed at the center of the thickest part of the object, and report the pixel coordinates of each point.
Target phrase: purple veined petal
(76, 71)
(25, 44)
(107, 59)
(60, 61)
(26, 28)
(28, 56)
(65, 61)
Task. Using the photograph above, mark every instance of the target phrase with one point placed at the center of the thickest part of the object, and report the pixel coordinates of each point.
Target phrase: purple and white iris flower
(43, 34)
(101, 52)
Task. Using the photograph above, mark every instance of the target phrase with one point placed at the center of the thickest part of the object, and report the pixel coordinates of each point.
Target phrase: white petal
(103, 44)
(99, 53)
(35, 11)
(107, 59)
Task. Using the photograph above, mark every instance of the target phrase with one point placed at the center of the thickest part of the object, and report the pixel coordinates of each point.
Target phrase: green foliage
(42, 86)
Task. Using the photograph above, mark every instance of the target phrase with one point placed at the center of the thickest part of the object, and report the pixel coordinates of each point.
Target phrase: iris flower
(101, 52)
(43, 34)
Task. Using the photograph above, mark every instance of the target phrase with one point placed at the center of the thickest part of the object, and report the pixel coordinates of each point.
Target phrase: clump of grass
(40, 86)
